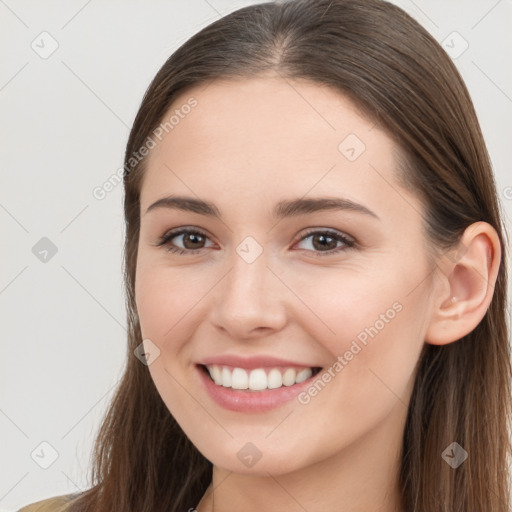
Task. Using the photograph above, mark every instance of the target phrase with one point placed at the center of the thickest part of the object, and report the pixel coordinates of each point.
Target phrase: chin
(247, 459)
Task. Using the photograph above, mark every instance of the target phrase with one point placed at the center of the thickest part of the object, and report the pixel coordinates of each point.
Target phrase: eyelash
(165, 241)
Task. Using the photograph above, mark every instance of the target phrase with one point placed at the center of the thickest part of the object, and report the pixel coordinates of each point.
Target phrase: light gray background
(64, 124)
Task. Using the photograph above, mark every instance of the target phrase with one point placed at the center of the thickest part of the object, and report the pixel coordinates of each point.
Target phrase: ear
(467, 277)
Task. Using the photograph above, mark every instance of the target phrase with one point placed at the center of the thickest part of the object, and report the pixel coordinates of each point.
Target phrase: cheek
(371, 319)
(163, 298)
(165, 302)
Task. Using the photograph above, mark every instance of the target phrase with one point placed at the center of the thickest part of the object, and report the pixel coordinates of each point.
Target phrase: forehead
(241, 114)
(269, 137)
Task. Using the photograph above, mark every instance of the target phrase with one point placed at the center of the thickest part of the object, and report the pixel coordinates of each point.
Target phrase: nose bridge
(249, 275)
(248, 297)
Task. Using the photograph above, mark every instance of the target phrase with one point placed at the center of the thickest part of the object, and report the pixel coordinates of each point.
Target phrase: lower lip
(251, 401)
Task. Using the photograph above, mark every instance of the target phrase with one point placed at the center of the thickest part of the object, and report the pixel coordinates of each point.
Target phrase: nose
(249, 301)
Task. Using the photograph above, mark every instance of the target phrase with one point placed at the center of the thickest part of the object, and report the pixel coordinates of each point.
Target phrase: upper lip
(261, 361)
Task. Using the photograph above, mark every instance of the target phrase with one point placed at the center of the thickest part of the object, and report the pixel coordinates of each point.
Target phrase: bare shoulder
(55, 504)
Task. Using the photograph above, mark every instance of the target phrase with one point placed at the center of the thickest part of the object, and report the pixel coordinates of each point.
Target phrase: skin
(247, 145)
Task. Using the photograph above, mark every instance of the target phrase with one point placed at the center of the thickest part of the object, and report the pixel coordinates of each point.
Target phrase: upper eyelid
(183, 231)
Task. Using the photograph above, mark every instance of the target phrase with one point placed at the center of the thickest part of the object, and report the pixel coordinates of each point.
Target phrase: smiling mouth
(258, 379)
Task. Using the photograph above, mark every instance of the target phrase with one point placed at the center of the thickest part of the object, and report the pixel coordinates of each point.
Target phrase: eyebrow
(285, 208)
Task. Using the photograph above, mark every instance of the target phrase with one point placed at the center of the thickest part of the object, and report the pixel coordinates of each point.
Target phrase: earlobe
(469, 273)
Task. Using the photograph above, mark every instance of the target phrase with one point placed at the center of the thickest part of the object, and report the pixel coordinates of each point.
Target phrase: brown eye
(325, 242)
(192, 240)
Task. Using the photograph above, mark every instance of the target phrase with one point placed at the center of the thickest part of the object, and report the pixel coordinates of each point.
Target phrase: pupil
(195, 237)
(324, 238)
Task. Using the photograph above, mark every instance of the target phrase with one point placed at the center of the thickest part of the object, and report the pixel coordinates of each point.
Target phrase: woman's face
(272, 277)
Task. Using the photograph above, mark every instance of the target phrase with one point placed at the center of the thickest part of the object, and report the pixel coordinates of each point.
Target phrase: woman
(314, 266)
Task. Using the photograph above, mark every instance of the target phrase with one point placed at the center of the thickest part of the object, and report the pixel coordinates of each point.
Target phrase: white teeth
(226, 378)
(257, 379)
(303, 375)
(239, 379)
(289, 377)
(275, 379)
(217, 375)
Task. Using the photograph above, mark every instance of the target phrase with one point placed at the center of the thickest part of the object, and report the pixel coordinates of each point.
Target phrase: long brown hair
(398, 75)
